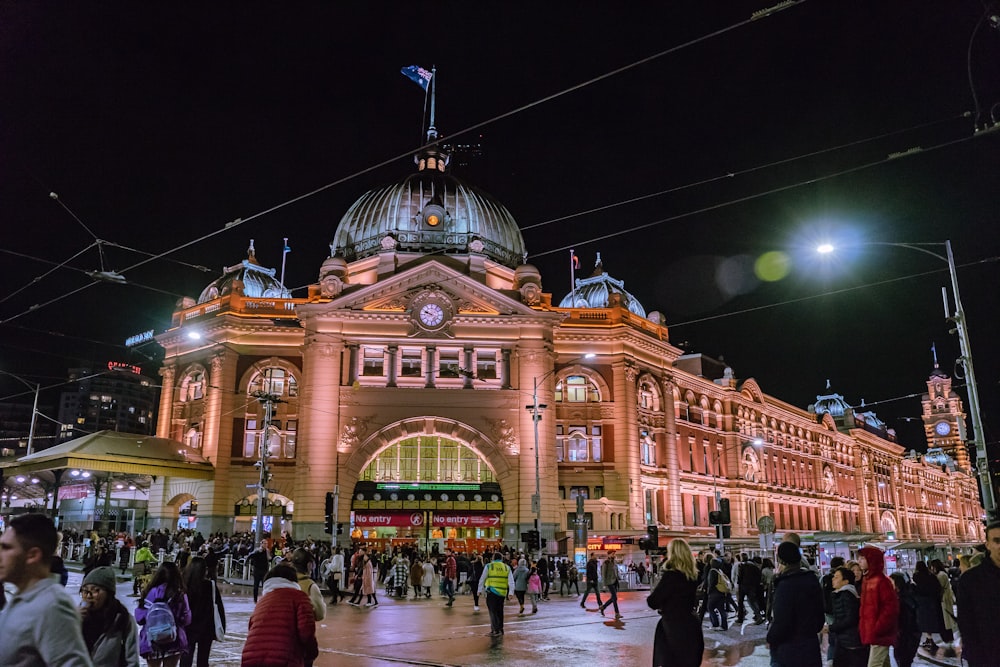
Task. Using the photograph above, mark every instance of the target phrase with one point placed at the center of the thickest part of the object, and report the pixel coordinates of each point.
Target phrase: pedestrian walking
(573, 576)
(108, 628)
(521, 574)
(879, 607)
(979, 604)
(930, 616)
(609, 572)
(416, 575)
(368, 581)
(535, 588)
(39, 624)
(427, 580)
(449, 575)
(497, 582)
(303, 563)
(334, 575)
(282, 629)
(593, 583)
(904, 649)
(718, 587)
(797, 612)
(167, 587)
(259, 561)
(203, 598)
(845, 607)
(477, 573)
(678, 640)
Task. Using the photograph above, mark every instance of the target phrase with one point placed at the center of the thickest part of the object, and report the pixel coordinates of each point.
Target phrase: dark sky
(157, 124)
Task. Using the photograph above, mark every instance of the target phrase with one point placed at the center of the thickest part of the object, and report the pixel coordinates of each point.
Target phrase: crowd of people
(867, 614)
(180, 613)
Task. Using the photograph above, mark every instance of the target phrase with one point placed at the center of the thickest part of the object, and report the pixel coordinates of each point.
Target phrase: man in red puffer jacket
(282, 631)
(879, 613)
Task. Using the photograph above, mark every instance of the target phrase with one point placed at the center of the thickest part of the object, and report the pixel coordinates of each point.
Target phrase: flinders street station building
(429, 385)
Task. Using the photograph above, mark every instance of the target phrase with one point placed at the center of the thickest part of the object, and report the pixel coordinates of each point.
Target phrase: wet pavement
(426, 632)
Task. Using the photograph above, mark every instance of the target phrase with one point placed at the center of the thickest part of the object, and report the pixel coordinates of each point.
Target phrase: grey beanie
(103, 577)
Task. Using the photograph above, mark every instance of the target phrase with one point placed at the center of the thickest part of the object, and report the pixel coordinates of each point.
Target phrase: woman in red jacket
(282, 631)
(879, 612)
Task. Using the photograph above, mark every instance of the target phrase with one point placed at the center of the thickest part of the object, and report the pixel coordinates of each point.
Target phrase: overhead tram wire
(739, 200)
(46, 274)
(748, 170)
(471, 128)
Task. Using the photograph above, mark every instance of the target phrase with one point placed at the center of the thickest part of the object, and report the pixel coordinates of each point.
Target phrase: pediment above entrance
(430, 281)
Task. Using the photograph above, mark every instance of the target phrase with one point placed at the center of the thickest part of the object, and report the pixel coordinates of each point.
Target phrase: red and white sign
(385, 519)
(458, 520)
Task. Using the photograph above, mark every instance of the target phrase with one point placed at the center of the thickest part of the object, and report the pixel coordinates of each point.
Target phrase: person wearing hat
(797, 612)
(303, 561)
(108, 628)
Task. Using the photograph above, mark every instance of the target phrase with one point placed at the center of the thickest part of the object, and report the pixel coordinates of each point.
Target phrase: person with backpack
(163, 614)
(718, 587)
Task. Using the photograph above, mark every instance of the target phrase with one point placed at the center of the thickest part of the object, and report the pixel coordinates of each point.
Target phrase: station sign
(455, 520)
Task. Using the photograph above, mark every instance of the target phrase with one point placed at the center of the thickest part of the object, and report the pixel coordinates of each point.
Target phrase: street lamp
(34, 408)
(536, 409)
(961, 328)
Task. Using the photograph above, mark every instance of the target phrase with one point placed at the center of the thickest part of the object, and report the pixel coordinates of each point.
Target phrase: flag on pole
(418, 75)
(576, 261)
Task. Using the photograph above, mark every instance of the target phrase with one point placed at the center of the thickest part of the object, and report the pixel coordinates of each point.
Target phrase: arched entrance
(278, 513)
(429, 491)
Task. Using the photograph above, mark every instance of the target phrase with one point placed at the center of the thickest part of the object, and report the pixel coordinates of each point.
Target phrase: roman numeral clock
(431, 311)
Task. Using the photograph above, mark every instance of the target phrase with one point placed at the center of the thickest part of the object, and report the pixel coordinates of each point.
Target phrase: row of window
(413, 362)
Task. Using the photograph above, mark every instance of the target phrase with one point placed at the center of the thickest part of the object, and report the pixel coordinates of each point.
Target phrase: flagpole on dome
(284, 253)
(431, 129)
(574, 263)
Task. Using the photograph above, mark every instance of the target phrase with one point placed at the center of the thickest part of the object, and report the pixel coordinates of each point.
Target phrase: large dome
(433, 212)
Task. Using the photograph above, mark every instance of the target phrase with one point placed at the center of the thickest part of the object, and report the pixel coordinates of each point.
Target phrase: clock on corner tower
(944, 418)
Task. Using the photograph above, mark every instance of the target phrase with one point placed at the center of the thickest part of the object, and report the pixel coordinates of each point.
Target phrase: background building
(118, 398)
(400, 385)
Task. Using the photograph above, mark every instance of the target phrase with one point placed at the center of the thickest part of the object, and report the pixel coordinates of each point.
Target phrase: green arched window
(428, 458)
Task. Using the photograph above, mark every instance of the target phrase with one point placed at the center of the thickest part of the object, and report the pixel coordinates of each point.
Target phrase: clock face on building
(431, 315)
(942, 428)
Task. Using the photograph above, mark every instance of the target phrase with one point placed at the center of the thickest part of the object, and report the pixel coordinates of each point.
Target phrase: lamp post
(961, 328)
(536, 409)
(34, 408)
(264, 453)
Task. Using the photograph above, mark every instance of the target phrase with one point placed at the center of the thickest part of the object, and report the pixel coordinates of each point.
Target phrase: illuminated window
(448, 364)
(410, 363)
(647, 449)
(373, 362)
(577, 389)
(193, 437)
(274, 380)
(581, 491)
(428, 458)
(486, 365)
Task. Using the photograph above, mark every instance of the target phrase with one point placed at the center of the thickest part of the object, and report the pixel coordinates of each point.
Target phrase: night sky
(158, 123)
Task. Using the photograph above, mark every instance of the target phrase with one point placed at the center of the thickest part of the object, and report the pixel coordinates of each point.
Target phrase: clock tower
(944, 418)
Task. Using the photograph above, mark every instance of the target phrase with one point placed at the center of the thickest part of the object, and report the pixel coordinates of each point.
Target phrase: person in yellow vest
(497, 583)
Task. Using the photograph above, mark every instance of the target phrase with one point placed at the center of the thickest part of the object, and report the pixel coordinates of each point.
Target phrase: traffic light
(531, 539)
(340, 529)
(724, 510)
(714, 518)
(328, 518)
(653, 532)
(543, 543)
(723, 532)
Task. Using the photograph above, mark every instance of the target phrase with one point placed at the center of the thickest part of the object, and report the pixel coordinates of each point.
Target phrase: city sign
(455, 520)
(122, 366)
(139, 338)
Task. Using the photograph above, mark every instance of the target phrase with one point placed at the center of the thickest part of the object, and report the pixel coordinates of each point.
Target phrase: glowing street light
(961, 328)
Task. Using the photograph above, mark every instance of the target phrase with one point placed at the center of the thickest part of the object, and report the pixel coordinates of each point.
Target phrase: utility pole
(268, 401)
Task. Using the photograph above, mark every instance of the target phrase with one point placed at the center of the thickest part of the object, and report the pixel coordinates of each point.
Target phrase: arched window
(648, 395)
(647, 448)
(193, 437)
(577, 389)
(429, 458)
(579, 443)
(274, 380)
(192, 385)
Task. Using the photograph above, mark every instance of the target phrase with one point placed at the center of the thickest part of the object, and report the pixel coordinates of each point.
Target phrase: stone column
(215, 507)
(675, 512)
(164, 416)
(316, 453)
(535, 363)
(505, 369)
(470, 371)
(863, 482)
(393, 354)
(431, 370)
(627, 439)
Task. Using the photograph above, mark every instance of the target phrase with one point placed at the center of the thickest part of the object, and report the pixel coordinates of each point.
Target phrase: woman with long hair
(165, 586)
(678, 640)
(203, 597)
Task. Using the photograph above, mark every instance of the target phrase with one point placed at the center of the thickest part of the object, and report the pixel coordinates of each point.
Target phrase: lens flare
(772, 266)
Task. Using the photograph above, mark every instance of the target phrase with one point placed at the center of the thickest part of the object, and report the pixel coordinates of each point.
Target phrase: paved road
(427, 633)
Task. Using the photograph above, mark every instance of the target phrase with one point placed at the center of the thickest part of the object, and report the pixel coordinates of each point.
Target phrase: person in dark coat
(200, 592)
(797, 613)
(717, 599)
(930, 618)
(979, 604)
(678, 640)
(259, 562)
(908, 635)
(845, 607)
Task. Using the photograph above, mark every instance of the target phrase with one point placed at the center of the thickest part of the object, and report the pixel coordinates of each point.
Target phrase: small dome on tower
(248, 278)
(597, 292)
(832, 403)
